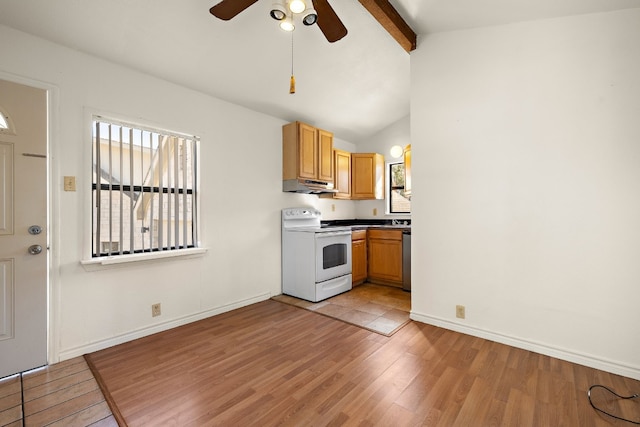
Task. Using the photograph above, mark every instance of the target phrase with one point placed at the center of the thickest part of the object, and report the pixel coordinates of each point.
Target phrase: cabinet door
(342, 171)
(325, 155)
(385, 257)
(359, 261)
(407, 170)
(307, 151)
(367, 176)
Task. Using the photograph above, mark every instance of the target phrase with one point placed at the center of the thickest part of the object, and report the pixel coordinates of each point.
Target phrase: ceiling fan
(320, 11)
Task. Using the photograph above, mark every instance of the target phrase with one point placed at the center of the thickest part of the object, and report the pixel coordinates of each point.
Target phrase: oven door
(333, 254)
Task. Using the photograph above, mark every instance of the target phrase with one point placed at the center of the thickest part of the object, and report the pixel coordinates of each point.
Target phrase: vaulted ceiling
(353, 87)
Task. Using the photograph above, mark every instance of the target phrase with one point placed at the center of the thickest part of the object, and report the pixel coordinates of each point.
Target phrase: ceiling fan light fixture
(278, 10)
(297, 6)
(287, 24)
(309, 16)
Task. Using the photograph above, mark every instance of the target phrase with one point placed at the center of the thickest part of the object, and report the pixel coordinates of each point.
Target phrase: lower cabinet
(359, 256)
(385, 257)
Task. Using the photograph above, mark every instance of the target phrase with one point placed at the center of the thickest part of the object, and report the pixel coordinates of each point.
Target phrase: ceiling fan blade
(328, 21)
(227, 9)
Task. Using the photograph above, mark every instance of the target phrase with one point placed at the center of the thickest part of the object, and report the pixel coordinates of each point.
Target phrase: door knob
(35, 249)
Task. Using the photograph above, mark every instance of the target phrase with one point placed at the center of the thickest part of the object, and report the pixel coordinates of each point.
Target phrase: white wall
(526, 195)
(241, 199)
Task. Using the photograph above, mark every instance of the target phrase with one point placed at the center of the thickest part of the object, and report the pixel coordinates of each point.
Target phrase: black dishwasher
(406, 260)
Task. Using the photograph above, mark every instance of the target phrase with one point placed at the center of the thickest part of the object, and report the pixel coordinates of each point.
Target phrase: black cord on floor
(617, 395)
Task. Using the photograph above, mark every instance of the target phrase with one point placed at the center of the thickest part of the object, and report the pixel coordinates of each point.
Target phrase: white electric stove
(316, 260)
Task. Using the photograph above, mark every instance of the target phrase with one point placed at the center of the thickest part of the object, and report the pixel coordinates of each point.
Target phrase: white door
(23, 204)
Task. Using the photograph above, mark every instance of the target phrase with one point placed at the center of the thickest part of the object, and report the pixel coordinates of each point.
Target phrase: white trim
(158, 327)
(107, 261)
(138, 126)
(537, 347)
(53, 208)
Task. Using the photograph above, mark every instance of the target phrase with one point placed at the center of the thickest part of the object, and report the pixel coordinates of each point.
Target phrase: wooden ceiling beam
(391, 20)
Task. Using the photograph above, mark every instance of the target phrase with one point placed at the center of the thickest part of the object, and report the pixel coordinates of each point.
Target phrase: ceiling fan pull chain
(292, 81)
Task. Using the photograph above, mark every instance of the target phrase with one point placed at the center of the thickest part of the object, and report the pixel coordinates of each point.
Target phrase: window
(144, 189)
(398, 201)
(6, 126)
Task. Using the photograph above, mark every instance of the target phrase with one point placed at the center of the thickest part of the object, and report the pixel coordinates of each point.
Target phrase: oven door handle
(333, 233)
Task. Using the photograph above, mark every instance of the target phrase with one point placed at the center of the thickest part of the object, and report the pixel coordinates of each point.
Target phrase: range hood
(307, 186)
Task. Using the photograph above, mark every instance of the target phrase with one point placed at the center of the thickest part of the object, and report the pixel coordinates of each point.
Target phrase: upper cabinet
(367, 176)
(407, 171)
(307, 153)
(325, 155)
(311, 165)
(342, 170)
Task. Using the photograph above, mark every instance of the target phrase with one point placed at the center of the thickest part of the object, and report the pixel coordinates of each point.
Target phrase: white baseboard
(537, 347)
(158, 327)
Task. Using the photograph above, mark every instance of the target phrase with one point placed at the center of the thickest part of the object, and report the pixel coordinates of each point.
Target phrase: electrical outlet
(460, 311)
(333, 208)
(155, 310)
(375, 211)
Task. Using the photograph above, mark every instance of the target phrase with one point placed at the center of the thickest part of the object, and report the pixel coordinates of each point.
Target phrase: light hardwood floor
(269, 364)
(64, 394)
(274, 364)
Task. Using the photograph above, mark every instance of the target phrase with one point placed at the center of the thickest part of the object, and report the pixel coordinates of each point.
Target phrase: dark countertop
(363, 224)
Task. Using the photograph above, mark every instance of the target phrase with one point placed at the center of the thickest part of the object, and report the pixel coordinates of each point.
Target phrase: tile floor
(63, 394)
(381, 309)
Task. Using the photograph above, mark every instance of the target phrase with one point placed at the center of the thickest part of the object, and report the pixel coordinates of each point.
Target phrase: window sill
(100, 263)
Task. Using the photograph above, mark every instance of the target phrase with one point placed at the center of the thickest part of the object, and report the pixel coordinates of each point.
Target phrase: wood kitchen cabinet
(342, 174)
(407, 170)
(358, 256)
(307, 152)
(367, 176)
(385, 256)
(325, 155)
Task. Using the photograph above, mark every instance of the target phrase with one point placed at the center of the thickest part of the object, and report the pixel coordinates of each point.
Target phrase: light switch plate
(69, 183)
